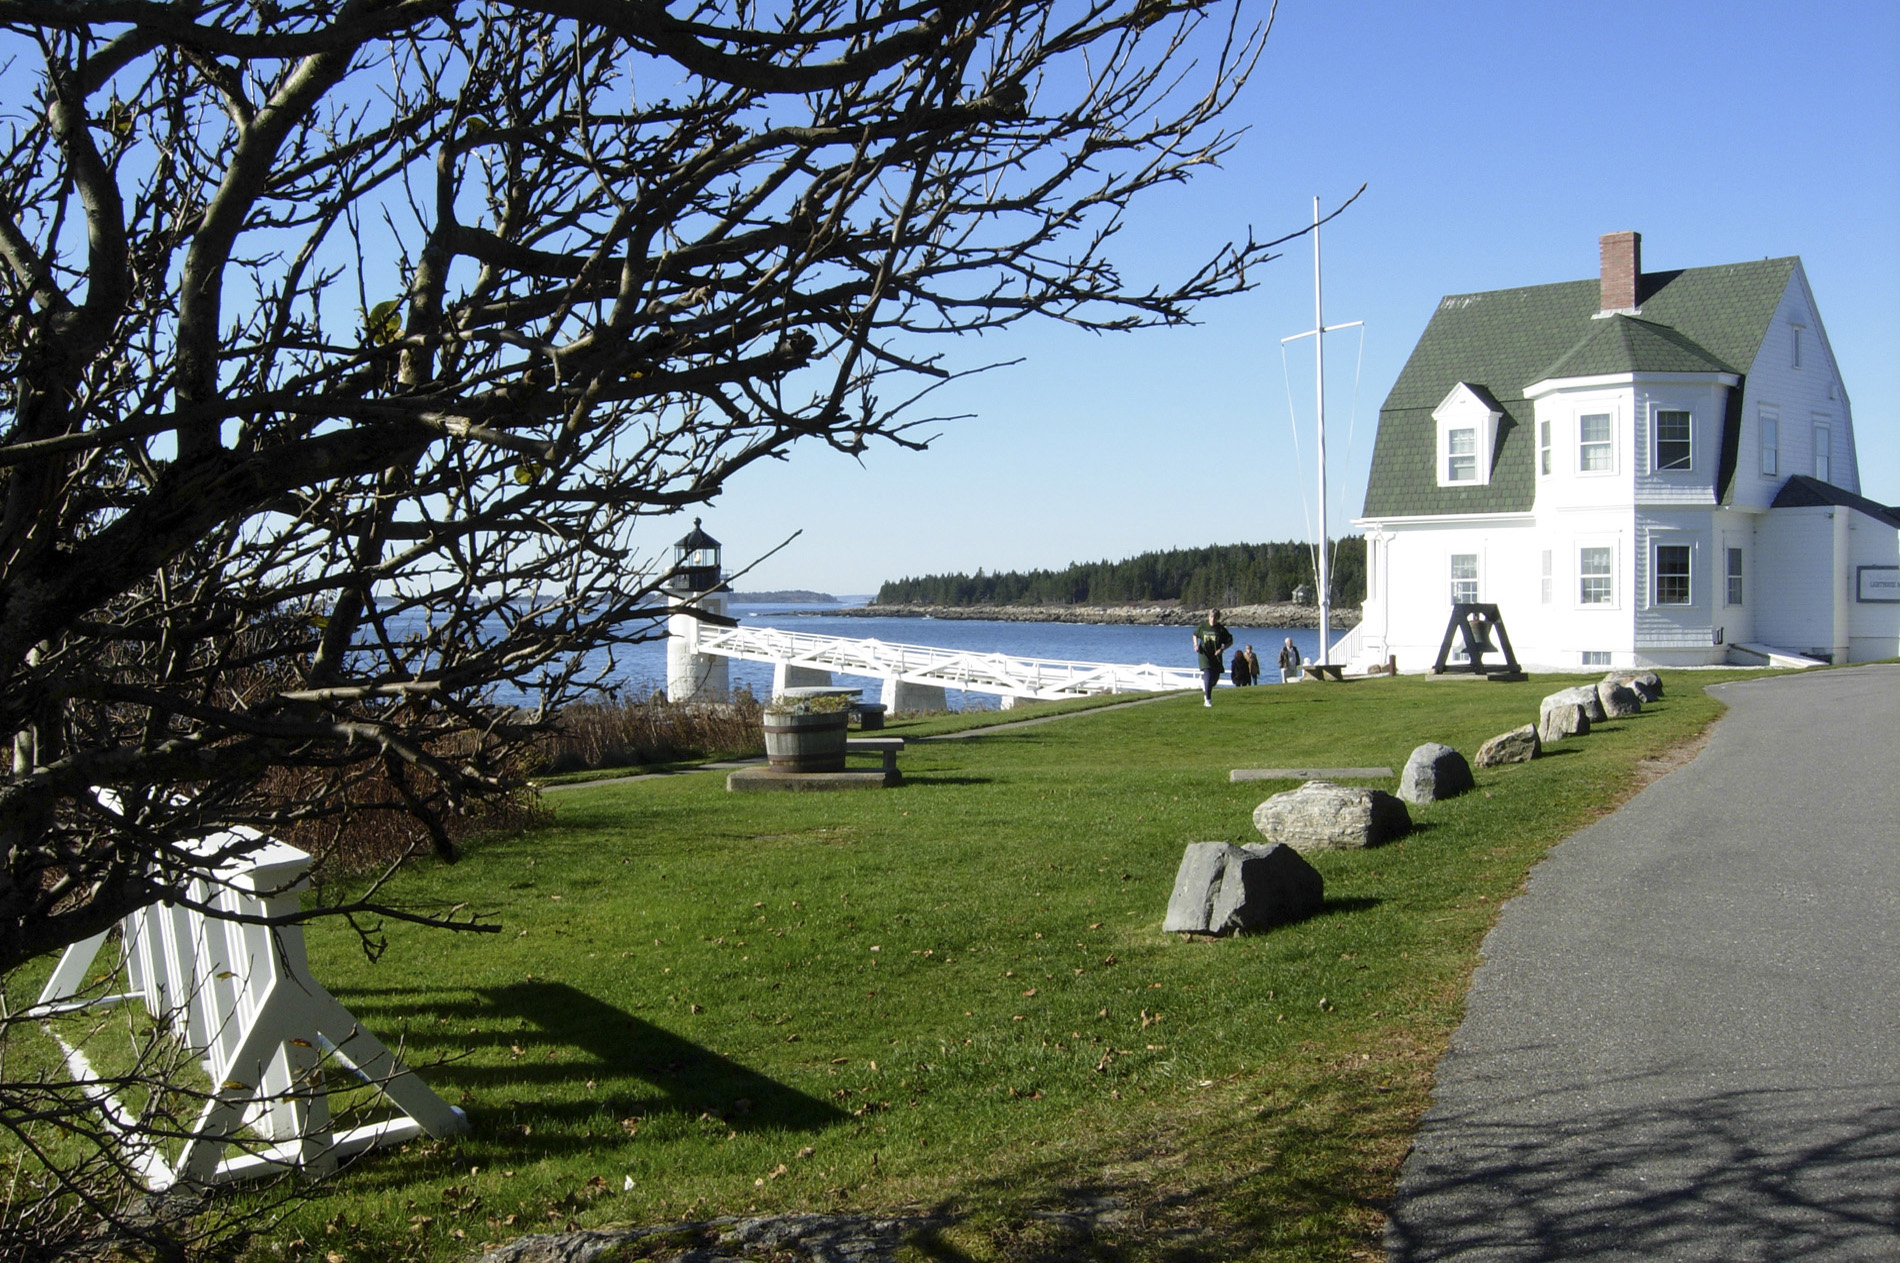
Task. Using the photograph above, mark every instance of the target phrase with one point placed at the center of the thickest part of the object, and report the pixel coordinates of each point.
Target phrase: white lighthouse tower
(692, 676)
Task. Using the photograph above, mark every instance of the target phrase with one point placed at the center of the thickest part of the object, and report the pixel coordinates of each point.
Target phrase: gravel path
(1684, 1041)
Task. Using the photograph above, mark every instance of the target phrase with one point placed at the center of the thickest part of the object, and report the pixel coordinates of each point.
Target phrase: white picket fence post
(241, 996)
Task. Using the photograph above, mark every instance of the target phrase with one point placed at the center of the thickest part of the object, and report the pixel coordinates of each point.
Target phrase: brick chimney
(1622, 255)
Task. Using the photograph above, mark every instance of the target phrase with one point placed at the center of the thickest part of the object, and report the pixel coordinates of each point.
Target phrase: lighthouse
(692, 676)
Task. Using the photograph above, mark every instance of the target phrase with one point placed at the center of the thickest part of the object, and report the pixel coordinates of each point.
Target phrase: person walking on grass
(1289, 663)
(1210, 643)
(1253, 665)
(1242, 677)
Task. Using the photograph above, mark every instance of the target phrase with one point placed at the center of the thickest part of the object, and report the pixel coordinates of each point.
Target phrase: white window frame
(1543, 448)
(1734, 590)
(1594, 657)
(1476, 578)
(1824, 451)
(1656, 573)
(1464, 409)
(1769, 421)
(1688, 440)
(1461, 455)
(1609, 601)
(1608, 444)
(1795, 329)
(1546, 580)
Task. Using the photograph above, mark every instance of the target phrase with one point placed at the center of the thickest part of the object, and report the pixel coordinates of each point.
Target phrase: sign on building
(1877, 583)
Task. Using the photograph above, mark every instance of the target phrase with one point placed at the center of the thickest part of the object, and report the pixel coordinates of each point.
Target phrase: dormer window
(1467, 423)
(1462, 463)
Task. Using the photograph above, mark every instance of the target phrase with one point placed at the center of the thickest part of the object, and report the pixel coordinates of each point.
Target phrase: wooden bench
(884, 776)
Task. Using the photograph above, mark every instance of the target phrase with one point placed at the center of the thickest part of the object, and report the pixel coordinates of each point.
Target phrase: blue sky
(1498, 142)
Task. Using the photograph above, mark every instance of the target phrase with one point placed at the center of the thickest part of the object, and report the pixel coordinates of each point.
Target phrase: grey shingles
(1503, 340)
(1801, 491)
(1624, 344)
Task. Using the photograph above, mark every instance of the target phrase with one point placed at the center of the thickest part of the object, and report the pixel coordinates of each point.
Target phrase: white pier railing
(1039, 679)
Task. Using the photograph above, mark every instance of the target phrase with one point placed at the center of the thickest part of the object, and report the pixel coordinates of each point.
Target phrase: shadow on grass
(679, 1076)
(927, 779)
(1333, 907)
(1260, 1184)
(690, 1077)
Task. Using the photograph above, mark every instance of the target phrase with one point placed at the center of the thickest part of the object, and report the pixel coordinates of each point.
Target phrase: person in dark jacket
(1210, 646)
(1253, 665)
(1289, 663)
(1243, 676)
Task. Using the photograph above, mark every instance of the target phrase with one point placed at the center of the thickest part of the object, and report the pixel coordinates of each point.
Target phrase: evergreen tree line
(1223, 575)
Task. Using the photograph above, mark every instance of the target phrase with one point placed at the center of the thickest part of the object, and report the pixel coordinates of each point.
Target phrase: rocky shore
(1287, 615)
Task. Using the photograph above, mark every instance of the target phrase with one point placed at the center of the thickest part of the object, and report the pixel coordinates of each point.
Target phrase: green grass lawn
(955, 996)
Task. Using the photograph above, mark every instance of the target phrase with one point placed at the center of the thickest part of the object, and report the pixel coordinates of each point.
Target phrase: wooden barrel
(806, 743)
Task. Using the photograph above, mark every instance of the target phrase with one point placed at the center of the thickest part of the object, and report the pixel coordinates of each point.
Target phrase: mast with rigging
(1318, 333)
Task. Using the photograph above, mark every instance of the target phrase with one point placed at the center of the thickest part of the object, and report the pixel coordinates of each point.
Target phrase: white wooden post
(241, 996)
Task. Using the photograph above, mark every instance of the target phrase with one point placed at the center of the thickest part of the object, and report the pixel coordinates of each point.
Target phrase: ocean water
(645, 665)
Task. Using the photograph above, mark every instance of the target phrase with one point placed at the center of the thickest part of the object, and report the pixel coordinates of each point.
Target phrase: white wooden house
(1642, 469)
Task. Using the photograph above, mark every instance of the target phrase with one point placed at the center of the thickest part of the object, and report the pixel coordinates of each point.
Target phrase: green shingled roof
(1624, 344)
(1698, 320)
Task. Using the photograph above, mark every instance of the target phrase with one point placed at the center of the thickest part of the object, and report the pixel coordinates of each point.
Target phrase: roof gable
(1507, 339)
(1625, 344)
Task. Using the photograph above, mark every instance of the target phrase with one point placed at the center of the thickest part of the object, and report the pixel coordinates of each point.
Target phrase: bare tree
(348, 342)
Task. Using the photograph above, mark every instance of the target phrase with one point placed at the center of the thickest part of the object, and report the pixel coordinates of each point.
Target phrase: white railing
(240, 995)
(1041, 679)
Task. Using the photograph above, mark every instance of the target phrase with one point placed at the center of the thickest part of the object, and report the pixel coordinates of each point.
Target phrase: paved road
(1684, 1041)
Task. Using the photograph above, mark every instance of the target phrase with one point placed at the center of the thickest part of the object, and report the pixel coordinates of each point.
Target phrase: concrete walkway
(1684, 1041)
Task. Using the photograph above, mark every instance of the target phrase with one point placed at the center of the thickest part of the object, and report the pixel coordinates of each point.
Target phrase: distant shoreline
(1281, 615)
(788, 596)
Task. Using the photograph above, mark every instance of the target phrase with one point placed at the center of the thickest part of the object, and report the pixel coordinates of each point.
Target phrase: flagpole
(1318, 333)
(1319, 390)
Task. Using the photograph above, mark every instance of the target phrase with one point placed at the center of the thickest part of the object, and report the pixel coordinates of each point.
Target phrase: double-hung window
(1823, 452)
(1593, 443)
(1672, 440)
(1672, 574)
(1464, 578)
(1461, 461)
(1545, 585)
(1596, 576)
(1543, 447)
(1734, 576)
(1770, 444)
